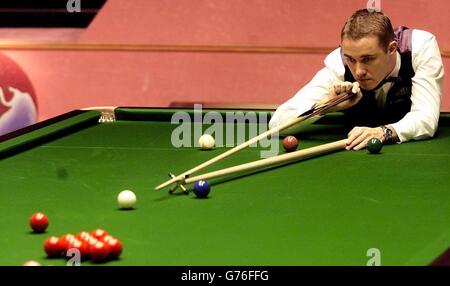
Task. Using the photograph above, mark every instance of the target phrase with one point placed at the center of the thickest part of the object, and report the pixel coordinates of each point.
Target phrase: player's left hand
(359, 136)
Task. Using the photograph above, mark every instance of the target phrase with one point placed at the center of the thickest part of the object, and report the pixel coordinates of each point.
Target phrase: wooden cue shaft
(284, 158)
(232, 151)
(313, 111)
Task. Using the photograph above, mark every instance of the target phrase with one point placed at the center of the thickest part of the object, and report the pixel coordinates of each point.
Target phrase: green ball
(374, 146)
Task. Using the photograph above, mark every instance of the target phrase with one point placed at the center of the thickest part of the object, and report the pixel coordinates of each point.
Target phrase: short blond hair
(364, 23)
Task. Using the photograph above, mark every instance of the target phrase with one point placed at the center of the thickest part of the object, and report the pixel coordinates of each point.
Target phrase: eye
(367, 60)
(351, 60)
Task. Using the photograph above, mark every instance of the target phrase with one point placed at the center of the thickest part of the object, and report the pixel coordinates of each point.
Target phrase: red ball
(92, 240)
(65, 241)
(39, 222)
(106, 238)
(290, 143)
(53, 247)
(98, 233)
(82, 246)
(83, 236)
(99, 251)
(115, 248)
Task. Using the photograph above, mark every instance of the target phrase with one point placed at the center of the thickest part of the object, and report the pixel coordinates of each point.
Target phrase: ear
(392, 47)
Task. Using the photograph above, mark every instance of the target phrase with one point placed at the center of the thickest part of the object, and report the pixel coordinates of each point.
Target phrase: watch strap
(388, 135)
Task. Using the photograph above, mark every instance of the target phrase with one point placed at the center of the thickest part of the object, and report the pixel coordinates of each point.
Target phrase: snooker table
(333, 209)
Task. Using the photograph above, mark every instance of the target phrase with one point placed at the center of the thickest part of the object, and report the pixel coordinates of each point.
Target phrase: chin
(367, 85)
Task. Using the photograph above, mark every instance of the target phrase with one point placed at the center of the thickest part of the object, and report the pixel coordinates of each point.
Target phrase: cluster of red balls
(96, 245)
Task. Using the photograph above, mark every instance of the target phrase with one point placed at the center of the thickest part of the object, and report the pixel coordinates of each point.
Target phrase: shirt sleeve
(422, 121)
(316, 90)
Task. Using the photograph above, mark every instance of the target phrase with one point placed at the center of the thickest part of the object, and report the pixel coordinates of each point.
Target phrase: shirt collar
(392, 77)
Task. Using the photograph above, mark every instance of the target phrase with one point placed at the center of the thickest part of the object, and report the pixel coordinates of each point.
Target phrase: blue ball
(201, 189)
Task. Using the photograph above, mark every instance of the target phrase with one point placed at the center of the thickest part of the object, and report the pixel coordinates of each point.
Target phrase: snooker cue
(280, 159)
(315, 110)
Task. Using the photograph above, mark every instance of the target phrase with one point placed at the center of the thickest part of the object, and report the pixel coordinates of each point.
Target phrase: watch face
(387, 134)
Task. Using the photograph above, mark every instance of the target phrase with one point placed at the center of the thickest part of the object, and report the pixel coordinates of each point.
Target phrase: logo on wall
(18, 105)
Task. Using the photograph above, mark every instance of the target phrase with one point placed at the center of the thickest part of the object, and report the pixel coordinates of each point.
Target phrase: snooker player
(396, 74)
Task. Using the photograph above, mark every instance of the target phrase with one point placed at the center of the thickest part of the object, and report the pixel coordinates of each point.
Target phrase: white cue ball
(126, 199)
(31, 263)
(206, 142)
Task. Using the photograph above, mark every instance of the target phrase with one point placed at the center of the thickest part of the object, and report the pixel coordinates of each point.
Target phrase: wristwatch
(388, 135)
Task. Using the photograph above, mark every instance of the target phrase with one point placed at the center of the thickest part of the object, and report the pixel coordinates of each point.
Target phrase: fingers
(359, 136)
(348, 86)
(337, 87)
(355, 87)
(352, 136)
(344, 87)
(354, 100)
(341, 87)
(361, 145)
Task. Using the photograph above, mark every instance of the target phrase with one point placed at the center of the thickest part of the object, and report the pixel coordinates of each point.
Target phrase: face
(369, 63)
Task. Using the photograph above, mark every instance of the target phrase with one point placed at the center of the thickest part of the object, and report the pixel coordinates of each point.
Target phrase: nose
(360, 70)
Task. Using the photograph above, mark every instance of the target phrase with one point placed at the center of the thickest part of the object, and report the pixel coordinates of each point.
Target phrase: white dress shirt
(422, 120)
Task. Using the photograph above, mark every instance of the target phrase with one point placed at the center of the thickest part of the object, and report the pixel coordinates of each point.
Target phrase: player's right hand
(341, 88)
